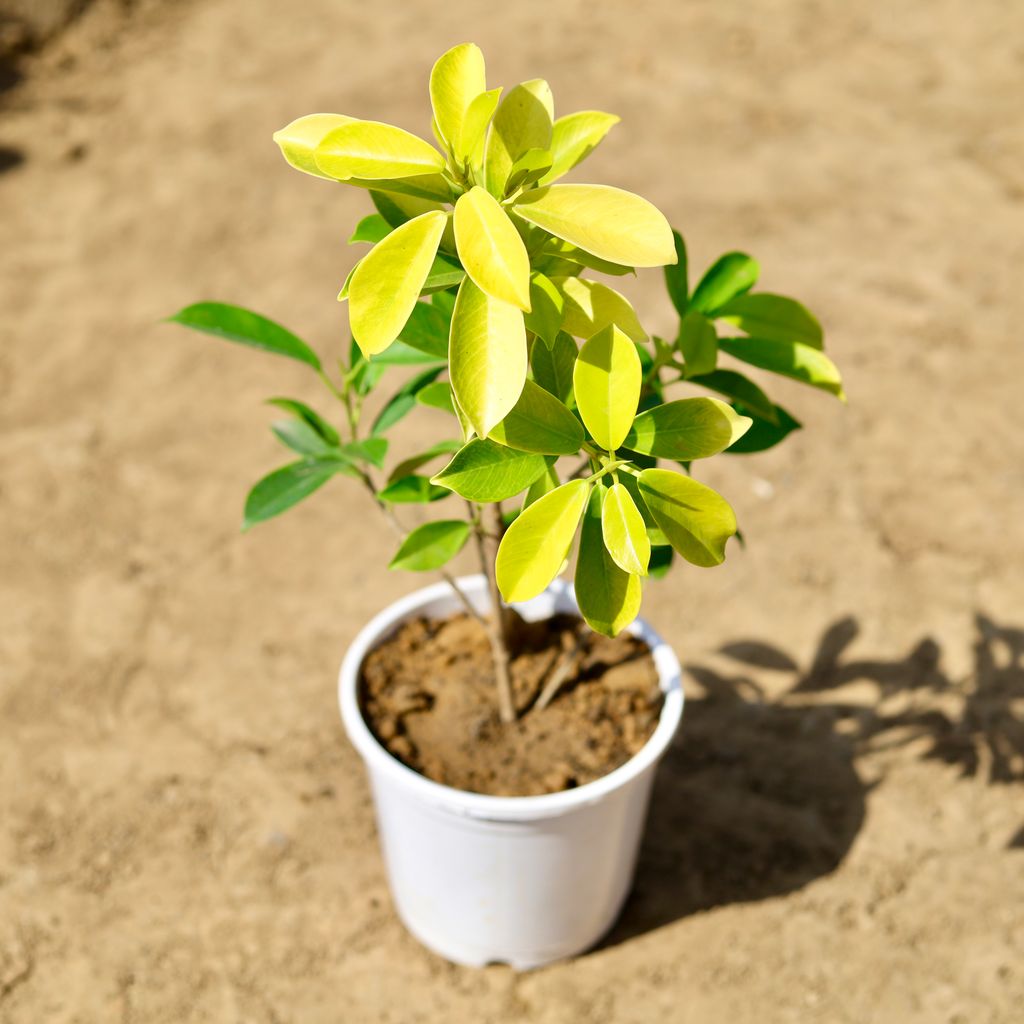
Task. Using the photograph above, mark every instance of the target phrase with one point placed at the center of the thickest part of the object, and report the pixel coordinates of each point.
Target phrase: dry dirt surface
(185, 835)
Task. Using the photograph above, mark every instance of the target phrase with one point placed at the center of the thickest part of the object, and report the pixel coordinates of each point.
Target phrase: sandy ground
(185, 835)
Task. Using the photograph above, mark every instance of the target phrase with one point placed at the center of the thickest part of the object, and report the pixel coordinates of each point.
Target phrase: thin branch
(497, 625)
(560, 672)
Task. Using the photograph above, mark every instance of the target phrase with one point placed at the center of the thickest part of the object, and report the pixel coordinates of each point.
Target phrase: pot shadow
(761, 795)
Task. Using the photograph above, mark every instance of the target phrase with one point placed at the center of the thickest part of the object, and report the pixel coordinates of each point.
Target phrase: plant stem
(488, 537)
(560, 672)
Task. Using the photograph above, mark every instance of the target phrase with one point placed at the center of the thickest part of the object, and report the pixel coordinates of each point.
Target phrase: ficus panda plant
(479, 275)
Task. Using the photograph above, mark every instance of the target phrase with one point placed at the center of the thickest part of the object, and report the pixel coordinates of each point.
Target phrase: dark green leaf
(437, 395)
(552, 368)
(486, 471)
(661, 561)
(698, 343)
(772, 316)
(372, 450)
(733, 274)
(431, 545)
(736, 385)
(313, 418)
(285, 487)
(247, 328)
(403, 401)
(370, 229)
(677, 277)
(412, 490)
(414, 462)
(426, 330)
(764, 435)
(300, 437)
(547, 305)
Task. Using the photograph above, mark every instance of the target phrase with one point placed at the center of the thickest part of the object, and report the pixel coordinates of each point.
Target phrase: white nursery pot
(518, 880)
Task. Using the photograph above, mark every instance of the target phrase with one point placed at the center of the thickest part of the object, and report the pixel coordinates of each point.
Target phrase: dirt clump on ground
(428, 694)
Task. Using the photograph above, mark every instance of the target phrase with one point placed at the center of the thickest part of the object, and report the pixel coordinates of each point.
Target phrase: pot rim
(480, 805)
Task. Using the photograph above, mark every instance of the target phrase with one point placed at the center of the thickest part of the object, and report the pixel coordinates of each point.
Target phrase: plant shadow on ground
(10, 76)
(761, 795)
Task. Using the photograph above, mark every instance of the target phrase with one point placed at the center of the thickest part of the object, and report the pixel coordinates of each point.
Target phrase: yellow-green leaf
(298, 140)
(486, 356)
(547, 304)
(591, 306)
(474, 126)
(540, 423)
(696, 520)
(523, 121)
(788, 358)
(386, 284)
(536, 545)
(607, 379)
(371, 151)
(691, 428)
(458, 77)
(625, 535)
(608, 222)
(608, 597)
(491, 249)
(573, 137)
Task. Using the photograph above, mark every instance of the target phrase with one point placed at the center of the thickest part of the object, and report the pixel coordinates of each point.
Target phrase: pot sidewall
(520, 880)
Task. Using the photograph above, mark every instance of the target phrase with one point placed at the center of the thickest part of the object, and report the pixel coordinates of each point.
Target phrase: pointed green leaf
(458, 77)
(546, 309)
(527, 170)
(573, 138)
(591, 306)
(788, 358)
(387, 282)
(696, 520)
(474, 127)
(553, 368)
(369, 151)
(608, 222)
(279, 491)
(397, 208)
(414, 462)
(608, 597)
(412, 489)
(373, 229)
(523, 121)
(300, 437)
(487, 356)
(625, 535)
(536, 545)
(772, 316)
(431, 545)
(372, 450)
(764, 435)
(437, 395)
(298, 140)
(539, 423)
(491, 249)
(247, 328)
(313, 418)
(426, 330)
(486, 471)
(731, 275)
(698, 343)
(743, 389)
(606, 381)
(403, 401)
(691, 428)
(677, 277)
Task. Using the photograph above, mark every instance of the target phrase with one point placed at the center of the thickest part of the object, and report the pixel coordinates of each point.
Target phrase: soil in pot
(428, 695)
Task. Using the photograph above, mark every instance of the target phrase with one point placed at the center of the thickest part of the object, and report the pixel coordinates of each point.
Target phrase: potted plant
(510, 827)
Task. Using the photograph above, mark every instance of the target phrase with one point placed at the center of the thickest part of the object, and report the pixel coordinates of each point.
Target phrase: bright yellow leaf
(458, 77)
(608, 222)
(474, 126)
(536, 545)
(370, 151)
(625, 535)
(298, 140)
(606, 380)
(523, 121)
(590, 306)
(491, 249)
(386, 284)
(572, 139)
(487, 358)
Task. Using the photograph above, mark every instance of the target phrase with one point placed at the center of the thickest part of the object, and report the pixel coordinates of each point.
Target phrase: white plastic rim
(521, 880)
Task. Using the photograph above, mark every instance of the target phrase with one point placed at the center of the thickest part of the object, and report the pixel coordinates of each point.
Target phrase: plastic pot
(518, 880)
